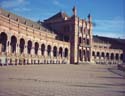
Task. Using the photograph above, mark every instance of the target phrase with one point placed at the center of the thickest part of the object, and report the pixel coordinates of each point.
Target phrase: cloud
(21, 9)
(57, 3)
(114, 27)
(110, 34)
(15, 5)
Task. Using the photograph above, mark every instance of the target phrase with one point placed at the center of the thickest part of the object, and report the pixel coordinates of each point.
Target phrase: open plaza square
(61, 80)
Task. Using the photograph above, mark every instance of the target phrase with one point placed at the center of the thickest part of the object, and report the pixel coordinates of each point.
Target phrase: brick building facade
(58, 39)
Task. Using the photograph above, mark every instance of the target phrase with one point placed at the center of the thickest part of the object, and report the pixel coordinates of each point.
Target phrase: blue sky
(108, 15)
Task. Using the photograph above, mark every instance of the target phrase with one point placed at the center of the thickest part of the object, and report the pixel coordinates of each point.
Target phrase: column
(8, 47)
(51, 53)
(25, 49)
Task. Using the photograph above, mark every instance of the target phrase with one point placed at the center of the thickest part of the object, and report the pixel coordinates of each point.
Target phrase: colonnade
(16, 50)
(84, 55)
(107, 57)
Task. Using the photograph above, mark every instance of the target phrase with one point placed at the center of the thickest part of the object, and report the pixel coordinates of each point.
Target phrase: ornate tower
(74, 37)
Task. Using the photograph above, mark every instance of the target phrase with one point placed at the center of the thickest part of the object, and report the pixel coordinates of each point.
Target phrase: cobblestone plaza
(60, 80)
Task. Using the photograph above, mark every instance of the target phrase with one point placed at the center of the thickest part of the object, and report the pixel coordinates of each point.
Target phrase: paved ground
(60, 80)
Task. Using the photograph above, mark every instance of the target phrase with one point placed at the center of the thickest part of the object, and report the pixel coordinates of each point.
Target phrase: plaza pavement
(61, 80)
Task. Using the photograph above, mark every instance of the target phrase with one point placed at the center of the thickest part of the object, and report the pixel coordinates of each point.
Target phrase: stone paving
(60, 80)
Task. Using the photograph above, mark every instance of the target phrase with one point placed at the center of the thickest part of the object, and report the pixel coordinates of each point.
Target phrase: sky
(107, 15)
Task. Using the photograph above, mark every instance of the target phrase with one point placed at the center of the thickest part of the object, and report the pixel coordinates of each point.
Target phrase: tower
(74, 37)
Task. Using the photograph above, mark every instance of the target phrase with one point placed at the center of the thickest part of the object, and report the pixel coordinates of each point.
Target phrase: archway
(98, 54)
(48, 50)
(13, 44)
(80, 40)
(121, 57)
(55, 51)
(103, 55)
(93, 53)
(3, 41)
(42, 49)
(117, 56)
(80, 55)
(36, 47)
(107, 55)
(29, 46)
(112, 56)
(66, 52)
(22, 45)
(60, 51)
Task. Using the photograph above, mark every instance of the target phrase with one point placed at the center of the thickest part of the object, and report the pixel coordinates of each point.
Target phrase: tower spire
(74, 11)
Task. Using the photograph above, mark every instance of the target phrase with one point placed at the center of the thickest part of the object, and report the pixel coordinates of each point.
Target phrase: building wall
(103, 54)
(24, 44)
(79, 32)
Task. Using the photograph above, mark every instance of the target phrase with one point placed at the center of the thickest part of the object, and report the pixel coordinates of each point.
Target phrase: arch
(66, 52)
(87, 41)
(93, 53)
(22, 45)
(88, 55)
(60, 51)
(107, 55)
(117, 56)
(55, 51)
(42, 49)
(80, 40)
(13, 44)
(3, 41)
(121, 56)
(80, 55)
(103, 55)
(98, 54)
(48, 50)
(112, 56)
(36, 47)
(84, 52)
(29, 46)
